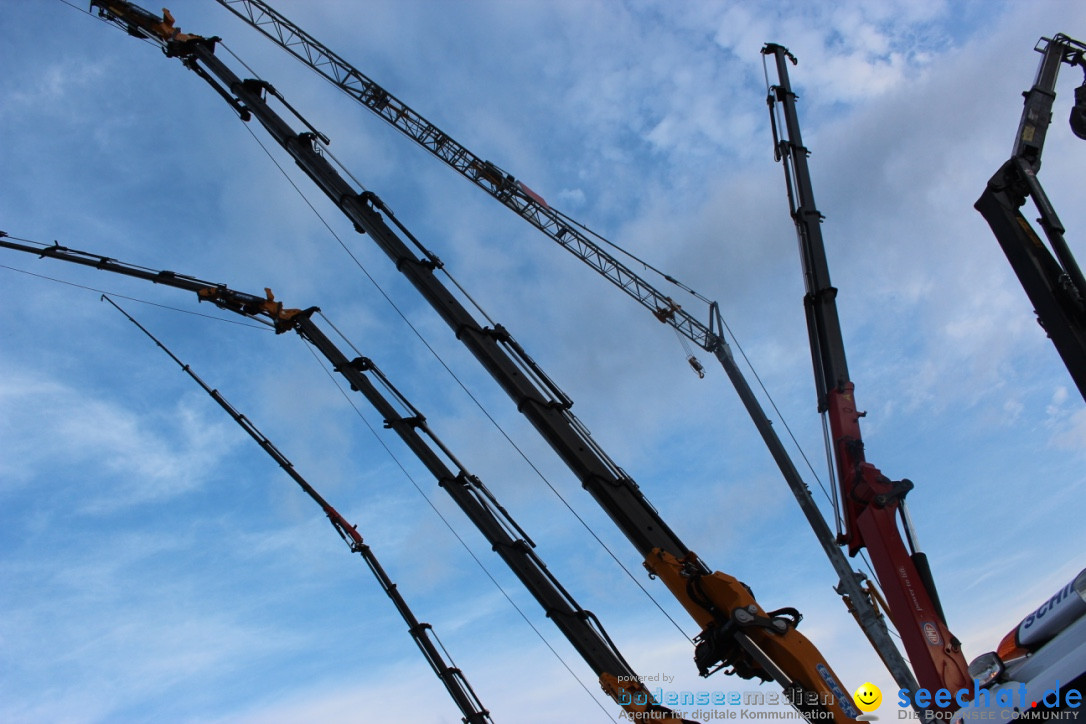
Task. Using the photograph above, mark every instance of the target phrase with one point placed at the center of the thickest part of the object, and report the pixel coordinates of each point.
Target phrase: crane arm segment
(1049, 274)
(453, 678)
(1037, 111)
(580, 627)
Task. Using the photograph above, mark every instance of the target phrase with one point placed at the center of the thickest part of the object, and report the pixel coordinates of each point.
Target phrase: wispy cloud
(148, 457)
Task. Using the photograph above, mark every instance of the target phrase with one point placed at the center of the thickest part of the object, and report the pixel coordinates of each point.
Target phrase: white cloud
(53, 85)
(146, 457)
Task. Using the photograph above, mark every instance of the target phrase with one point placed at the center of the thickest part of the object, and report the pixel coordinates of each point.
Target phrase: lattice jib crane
(580, 627)
(736, 633)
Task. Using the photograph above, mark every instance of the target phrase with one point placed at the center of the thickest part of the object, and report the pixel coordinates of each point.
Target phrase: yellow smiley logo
(868, 697)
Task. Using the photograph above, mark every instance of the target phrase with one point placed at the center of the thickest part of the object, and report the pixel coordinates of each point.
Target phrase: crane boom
(452, 677)
(1050, 275)
(872, 502)
(580, 627)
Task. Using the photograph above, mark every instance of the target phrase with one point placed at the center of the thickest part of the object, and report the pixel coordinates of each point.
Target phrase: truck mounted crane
(736, 632)
(422, 633)
(1050, 275)
(580, 627)
(872, 503)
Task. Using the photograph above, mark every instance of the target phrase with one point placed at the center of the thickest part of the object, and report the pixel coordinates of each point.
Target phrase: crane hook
(696, 366)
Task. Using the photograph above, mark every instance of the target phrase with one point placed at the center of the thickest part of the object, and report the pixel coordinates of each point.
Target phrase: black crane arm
(1050, 275)
(1055, 52)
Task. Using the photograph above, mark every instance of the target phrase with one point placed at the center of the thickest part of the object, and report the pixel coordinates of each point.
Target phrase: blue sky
(154, 564)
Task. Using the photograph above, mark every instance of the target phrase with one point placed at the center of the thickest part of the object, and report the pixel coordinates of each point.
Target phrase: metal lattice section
(484, 174)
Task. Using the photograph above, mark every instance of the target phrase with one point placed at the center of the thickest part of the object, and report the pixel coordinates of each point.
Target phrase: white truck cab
(1038, 672)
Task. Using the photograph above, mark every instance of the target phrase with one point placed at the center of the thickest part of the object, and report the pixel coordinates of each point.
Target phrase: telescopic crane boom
(580, 627)
(872, 502)
(1050, 275)
(453, 678)
(736, 632)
